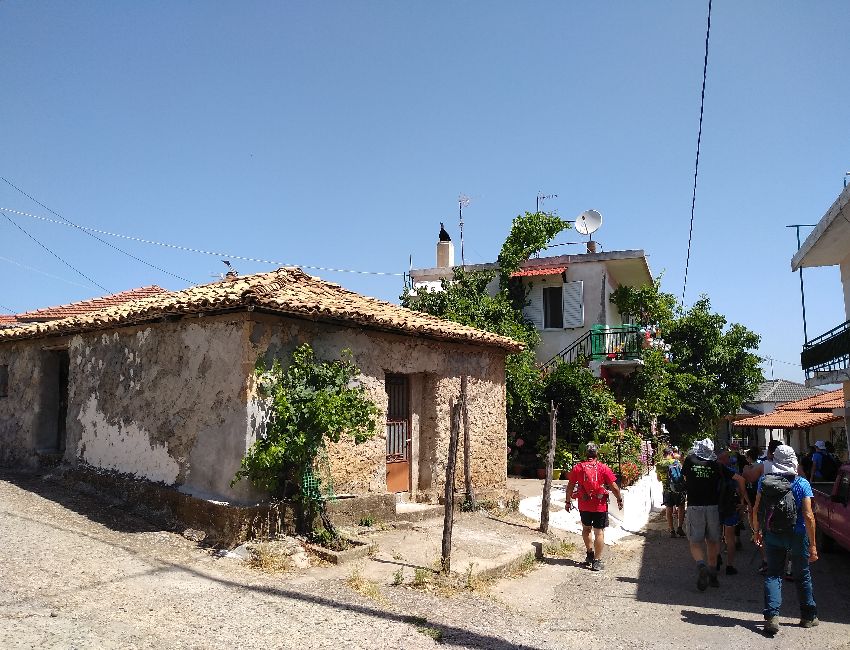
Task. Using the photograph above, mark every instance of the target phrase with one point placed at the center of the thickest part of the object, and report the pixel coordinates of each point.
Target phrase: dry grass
(364, 587)
(559, 548)
(269, 558)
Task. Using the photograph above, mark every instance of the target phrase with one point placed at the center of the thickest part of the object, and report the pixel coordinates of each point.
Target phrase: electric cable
(56, 255)
(699, 140)
(91, 234)
(199, 251)
(6, 309)
(35, 270)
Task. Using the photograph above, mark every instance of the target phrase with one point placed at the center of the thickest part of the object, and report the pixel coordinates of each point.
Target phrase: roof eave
(804, 257)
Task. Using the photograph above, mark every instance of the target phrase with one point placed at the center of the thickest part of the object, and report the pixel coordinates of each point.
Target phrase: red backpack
(590, 483)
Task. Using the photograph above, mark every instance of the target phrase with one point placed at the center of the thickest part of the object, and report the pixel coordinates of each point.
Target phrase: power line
(56, 255)
(35, 270)
(90, 234)
(200, 251)
(6, 309)
(699, 140)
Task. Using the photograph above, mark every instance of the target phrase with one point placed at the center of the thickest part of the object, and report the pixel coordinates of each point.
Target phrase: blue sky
(339, 134)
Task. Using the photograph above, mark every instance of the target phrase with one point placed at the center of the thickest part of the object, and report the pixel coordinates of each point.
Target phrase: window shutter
(533, 311)
(573, 304)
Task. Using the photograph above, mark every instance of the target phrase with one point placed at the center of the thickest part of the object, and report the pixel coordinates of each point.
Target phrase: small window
(553, 308)
(4, 381)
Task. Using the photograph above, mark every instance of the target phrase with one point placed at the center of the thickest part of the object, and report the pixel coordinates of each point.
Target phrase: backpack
(778, 509)
(675, 479)
(589, 482)
(828, 467)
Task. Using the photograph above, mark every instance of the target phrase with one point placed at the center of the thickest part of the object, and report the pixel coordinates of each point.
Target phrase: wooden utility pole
(448, 518)
(550, 462)
(469, 497)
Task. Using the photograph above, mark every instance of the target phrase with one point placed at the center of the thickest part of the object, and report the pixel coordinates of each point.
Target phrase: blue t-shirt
(801, 489)
(817, 462)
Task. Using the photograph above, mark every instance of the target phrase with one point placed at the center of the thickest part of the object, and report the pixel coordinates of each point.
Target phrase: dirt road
(76, 573)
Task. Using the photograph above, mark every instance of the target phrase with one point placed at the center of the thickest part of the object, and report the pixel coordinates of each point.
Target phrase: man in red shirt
(592, 480)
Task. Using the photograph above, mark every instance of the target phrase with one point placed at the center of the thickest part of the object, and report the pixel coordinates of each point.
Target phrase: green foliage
(587, 409)
(309, 402)
(645, 305)
(530, 233)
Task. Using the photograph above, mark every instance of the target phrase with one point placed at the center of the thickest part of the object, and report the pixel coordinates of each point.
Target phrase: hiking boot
(680, 532)
(713, 581)
(702, 579)
(771, 625)
(809, 622)
(597, 565)
(588, 560)
(672, 533)
(719, 562)
(731, 571)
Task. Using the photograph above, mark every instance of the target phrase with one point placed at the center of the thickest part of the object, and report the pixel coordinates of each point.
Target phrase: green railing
(600, 343)
(829, 351)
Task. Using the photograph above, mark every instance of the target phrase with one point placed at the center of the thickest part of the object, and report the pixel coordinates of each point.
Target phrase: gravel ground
(77, 573)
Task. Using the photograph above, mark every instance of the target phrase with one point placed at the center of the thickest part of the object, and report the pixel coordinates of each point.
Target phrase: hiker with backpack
(703, 480)
(669, 472)
(592, 480)
(784, 523)
(824, 464)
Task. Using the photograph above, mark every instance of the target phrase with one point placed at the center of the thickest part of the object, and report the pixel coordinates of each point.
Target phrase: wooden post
(469, 497)
(451, 461)
(550, 462)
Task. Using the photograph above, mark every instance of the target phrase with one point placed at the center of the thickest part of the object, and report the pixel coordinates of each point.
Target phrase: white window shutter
(573, 304)
(533, 311)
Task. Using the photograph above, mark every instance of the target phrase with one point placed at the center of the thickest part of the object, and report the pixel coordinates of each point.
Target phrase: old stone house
(162, 387)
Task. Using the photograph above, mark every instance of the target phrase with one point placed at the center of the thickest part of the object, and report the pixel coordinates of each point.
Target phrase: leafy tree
(530, 233)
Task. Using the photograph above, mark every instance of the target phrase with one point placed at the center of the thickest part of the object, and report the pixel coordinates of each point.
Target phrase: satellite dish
(588, 222)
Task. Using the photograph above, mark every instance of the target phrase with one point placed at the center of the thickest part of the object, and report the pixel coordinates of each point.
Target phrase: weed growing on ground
(269, 558)
(420, 577)
(398, 557)
(559, 548)
(398, 577)
(368, 588)
(367, 521)
(433, 632)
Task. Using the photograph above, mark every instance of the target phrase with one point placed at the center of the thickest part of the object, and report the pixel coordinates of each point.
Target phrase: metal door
(398, 433)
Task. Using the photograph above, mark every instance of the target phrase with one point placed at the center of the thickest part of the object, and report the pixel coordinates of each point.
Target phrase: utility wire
(6, 309)
(91, 234)
(35, 270)
(189, 249)
(56, 255)
(699, 140)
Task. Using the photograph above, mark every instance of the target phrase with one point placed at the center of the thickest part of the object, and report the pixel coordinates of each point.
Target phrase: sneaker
(680, 532)
(771, 625)
(702, 579)
(588, 560)
(763, 568)
(731, 571)
(597, 565)
(809, 622)
(672, 533)
(713, 581)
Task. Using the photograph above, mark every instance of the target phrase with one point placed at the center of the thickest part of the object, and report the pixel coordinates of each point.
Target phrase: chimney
(445, 250)
(591, 246)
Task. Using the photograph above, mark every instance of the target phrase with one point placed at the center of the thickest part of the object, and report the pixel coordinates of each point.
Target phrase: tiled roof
(830, 400)
(782, 390)
(8, 320)
(538, 270)
(86, 306)
(287, 291)
(788, 420)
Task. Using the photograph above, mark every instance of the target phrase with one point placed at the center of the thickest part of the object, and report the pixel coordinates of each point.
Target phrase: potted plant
(515, 448)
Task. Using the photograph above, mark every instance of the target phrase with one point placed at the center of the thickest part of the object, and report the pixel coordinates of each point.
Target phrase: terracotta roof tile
(287, 291)
(86, 306)
(833, 399)
(538, 270)
(788, 420)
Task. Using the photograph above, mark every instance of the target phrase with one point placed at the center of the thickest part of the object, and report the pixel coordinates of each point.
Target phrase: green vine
(310, 402)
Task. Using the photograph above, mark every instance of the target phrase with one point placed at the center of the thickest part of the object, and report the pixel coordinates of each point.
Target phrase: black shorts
(595, 519)
(674, 499)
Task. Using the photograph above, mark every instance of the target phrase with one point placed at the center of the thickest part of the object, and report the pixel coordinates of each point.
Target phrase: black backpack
(828, 467)
(778, 509)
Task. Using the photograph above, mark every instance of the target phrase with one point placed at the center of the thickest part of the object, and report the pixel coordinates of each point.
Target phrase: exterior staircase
(601, 343)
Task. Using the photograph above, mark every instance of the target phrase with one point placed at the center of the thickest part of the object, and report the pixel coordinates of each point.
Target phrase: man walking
(783, 521)
(703, 477)
(669, 472)
(592, 480)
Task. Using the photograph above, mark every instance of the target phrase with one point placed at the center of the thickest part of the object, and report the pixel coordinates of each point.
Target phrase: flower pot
(541, 472)
(517, 469)
(559, 474)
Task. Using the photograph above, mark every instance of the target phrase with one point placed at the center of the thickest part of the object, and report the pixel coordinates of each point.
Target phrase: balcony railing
(602, 342)
(829, 351)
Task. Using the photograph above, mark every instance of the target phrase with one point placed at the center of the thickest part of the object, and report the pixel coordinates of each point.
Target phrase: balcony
(602, 343)
(826, 359)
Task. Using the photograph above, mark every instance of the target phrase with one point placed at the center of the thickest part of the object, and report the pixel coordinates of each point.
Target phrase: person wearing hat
(592, 480)
(703, 480)
(799, 542)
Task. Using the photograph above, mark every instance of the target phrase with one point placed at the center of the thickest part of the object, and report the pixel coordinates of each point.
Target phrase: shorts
(702, 523)
(674, 499)
(732, 520)
(595, 519)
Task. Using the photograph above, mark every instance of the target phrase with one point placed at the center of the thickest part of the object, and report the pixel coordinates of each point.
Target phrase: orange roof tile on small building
(287, 291)
(90, 305)
(538, 270)
(788, 420)
(830, 400)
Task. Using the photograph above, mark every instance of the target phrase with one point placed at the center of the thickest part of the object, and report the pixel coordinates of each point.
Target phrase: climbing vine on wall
(310, 402)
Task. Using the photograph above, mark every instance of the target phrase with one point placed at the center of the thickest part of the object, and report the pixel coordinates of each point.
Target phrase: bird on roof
(444, 236)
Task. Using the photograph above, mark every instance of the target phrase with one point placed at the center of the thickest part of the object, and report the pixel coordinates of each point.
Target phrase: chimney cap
(444, 236)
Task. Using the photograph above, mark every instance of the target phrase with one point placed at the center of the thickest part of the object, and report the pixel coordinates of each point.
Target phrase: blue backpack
(675, 481)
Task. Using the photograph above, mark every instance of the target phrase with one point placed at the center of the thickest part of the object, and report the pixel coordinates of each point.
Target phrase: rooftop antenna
(541, 197)
(462, 202)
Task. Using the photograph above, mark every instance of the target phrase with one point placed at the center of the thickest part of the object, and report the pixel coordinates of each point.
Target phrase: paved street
(79, 574)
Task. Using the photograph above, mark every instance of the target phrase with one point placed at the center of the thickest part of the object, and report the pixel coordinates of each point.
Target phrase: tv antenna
(462, 201)
(541, 197)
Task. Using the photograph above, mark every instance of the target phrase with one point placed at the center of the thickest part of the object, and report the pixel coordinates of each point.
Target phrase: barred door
(398, 434)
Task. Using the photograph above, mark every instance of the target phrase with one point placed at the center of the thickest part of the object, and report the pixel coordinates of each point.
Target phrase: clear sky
(339, 134)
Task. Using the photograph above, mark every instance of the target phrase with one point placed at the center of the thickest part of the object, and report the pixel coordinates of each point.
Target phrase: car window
(844, 486)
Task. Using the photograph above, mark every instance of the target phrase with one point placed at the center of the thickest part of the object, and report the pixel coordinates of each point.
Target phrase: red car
(831, 509)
